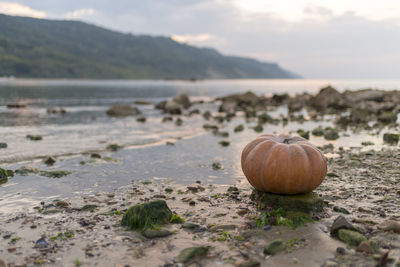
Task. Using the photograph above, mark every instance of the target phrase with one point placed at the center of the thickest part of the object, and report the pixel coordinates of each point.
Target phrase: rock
(190, 225)
(192, 203)
(189, 254)
(309, 202)
(390, 225)
(304, 134)
(391, 138)
(114, 147)
(142, 102)
(216, 166)
(34, 137)
(328, 98)
(222, 227)
(224, 143)
(274, 247)
(62, 203)
(183, 100)
(331, 133)
(54, 174)
(350, 237)
(359, 115)
(341, 210)
(237, 102)
(195, 188)
(3, 263)
(249, 263)
(341, 251)
(364, 95)
(172, 107)
(95, 156)
(238, 128)
(123, 110)
(56, 111)
(365, 247)
(258, 128)
(3, 145)
(147, 215)
(6, 173)
(330, 263)
(41, 243)
(154, 233)
(16, 105)
(387, 117)
(49, 161)
(340, 223)
(319, 131)
(141, 119)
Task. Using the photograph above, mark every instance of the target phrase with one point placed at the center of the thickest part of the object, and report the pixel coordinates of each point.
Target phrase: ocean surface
(86, 127)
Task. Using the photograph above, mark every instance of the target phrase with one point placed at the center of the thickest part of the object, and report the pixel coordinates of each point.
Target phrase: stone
(147, 215)
(34, 137)
(391, 138)
(350, 237)
(141, 119)
(123, 110)
(3, 145)
(331, 133)
(183, 100)
(249, 263)
(328, 97)
(319, 131)
(16, 105)
(95, 156)
(390, 225)
(62, 203)
(41, 243)
(387, 117)
(330, 263)
(188, 254)
(309, 202)
(340, 223)
(274, 247)
(190, 225)
(340, 209)
(56, 111)
(222, 227)
(49, 161)
(238, 128)
(155, 233)
(172, 107)
(365, 247)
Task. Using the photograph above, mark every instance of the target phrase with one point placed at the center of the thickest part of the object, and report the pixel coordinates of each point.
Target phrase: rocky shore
(352, 219)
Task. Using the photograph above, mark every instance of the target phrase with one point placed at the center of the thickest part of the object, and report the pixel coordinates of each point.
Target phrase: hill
(72, 49)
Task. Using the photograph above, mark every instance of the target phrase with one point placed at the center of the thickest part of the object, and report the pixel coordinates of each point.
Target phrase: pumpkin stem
(286, 140)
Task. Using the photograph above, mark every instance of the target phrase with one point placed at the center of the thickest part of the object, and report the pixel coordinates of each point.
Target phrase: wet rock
(258, 128)
(249, 263)
(216, 166)
(178, 122)
(222, 227)
(183, 100)
(147, 215)
(350, 237)
(319, 131)
(240, 102)
(6, 173)
(266, 118)
(41, 243)
(210, 127)
(341, 251)
(309, 202)
(207, 115)
(95, 156)
(365, 247)
(49, 161)
(155, 233)
(62, 203)
(224, 143)
(331, 133)
(172, 107)
(238, 128)
(358, 115)
(390, 225)
(340, 209)
(141, 119)
(16, 105)
(190, 225)
(330, 263)
(195, 188)
(54, 174)
(328, 98)
(188, 254)
(221, 134)
(340, 223)
(391, 138)
(56, 111)
(192, 203)
(3, 145)
(114, 147)
(364, 95)
(142, 102)
(26, 170)
(387, 117)
(123, 110)
(34, 137)
(274, 247)
(304, 134)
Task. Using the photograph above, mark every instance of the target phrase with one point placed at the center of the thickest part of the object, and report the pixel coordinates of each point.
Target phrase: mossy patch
(258, 128)
(175, 218)
(54, 174)
(34, 137)
(292, 219)
(350, 237)
(274, 247)
(238, 128)
(303, 133)
(189, 254)
(63, 235)
(224, 143)
(319, 131)
(391, 138)
(114, 147)
(148, 215)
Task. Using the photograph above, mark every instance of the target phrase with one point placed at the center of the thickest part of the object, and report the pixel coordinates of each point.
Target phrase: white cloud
(79, 13)
(198, 39)
(17, 9)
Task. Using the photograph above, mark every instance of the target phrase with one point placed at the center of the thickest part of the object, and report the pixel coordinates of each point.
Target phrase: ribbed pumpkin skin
(283, 164)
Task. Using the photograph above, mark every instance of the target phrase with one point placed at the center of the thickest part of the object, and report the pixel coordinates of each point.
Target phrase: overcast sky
(314, 38)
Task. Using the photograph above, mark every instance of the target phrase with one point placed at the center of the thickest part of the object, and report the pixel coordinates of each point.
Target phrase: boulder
(172, 107)
(340, 223)
(123, 110)
(328, 98)
(183, 100)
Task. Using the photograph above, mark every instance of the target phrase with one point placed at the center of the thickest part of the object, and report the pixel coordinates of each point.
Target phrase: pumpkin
(283, 164)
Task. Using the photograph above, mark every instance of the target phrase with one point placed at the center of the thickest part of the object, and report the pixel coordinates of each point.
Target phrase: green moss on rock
(391, 138)
(147, 215)
(189, 254)
(274, 247)
(350, 237)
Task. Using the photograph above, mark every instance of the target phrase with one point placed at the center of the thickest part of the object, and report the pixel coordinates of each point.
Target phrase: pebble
(341, 251)
(12, 249)
(151, 233)
(192, 203)
(41, 243)
(365, 247)
(390, 225)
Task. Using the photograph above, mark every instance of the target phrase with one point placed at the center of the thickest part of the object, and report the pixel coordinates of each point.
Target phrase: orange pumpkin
(283, 164)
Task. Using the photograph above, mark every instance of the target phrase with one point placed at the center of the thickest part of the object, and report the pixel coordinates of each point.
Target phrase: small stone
(267, 228)
(224, 143)
(95, 156)
(169, 190)
(41, 243)
(340, 223)
(365, 247)
(223, 227)
(391, 138)
(188, 254)
(274, 247)
(238, 128)
(330, 263)
(141, 119)
(341, 210)
(12, 249)
(153, 233)
(34, 137)
(390, 225)
(341, 251)
(62, 203)
(123, 110)
(216, 166)
(3, 145)
(49, 161)
(249, 263)
(190, 225)
(351, 238)
(192, 203)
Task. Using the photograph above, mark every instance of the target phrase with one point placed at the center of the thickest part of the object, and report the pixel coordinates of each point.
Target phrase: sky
(327, 39)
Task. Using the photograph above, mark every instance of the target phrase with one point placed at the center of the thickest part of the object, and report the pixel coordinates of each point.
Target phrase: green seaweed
(175, 218)
(279, 216)
(148, 215)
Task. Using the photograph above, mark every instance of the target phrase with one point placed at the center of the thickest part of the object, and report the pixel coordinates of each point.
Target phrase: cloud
(79, 13)
(198, 39)
(17, 9)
